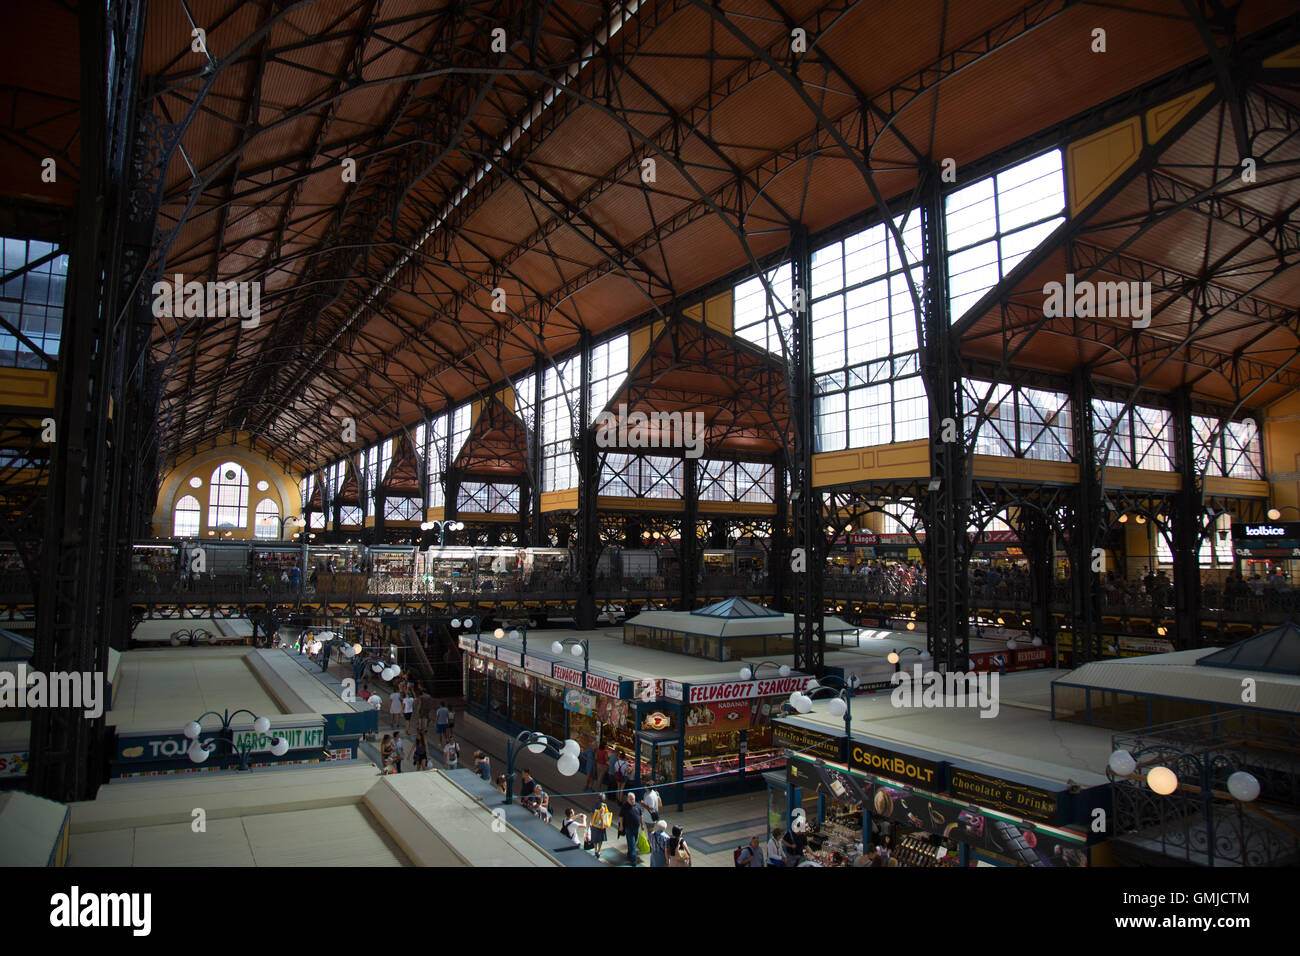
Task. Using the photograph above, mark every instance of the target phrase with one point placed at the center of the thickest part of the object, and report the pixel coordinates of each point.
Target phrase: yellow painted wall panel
(1160, 119)
(1024, 469)
(1236, 487)
(1096, 161)
(27, 388)
(560, 500)
(1140, 479)
(718, 313)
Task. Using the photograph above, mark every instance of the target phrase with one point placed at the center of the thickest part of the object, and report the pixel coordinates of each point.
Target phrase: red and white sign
(1033, 657)
(864, 538)
(566, 675)
(745, 689)
(602, 685)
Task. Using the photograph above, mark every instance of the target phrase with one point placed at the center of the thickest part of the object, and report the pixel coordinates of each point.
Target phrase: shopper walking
(395, 707)
(421, 753)
(399, 750)
(659, 844)
(678, 852)
(425, 709)
(775, 849)
(751, 855)
(629, 826)
(440, 721)
(451, 754)
(601, 820)
(653, 804)
(408, 709)
(602, 767)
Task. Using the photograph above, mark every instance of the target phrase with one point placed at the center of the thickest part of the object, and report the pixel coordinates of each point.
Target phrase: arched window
(228, 497)
(185, 523)
(266, 519)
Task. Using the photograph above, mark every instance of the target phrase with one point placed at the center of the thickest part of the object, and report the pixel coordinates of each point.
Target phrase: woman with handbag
(678, 852)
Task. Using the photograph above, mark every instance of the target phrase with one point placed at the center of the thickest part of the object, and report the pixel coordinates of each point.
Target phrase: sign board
(567, 675)
(510, 657)
(537, 665)
(299, 738)
(13, 763)
(1032, 803)
(603, 685)
(1268, 539)
(745, 689)
(673, 689)
(805, 741)
(466, 643)
(904, 768)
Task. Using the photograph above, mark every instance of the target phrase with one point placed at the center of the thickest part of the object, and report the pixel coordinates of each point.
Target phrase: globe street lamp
(536, 742)
(841, 704)
(750, 672)
(578, 647)
(198, 752)
(519, 633)
(443, 527)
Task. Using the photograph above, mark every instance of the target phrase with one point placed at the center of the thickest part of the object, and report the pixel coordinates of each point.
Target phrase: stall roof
(724, 625)
(1276, 651)
(1181, 675)
(1021, 740)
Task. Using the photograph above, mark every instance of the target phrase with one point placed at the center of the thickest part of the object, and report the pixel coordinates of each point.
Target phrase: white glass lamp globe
(1037, 642)
(376, 668)
(197, 752)
(499, 634)
(537, 745)
(279, 746)
(1011, 643)
(576, 650)
(557, 647)
(514, 634)
(572, 747)
(1243, 786)
(192, 730)
(784, 670)
(1122, 763)
(262, 724)
(837, 707)
(893, 657)
(455, 622)
(567, 764)
(1162, 780)
(746, 673)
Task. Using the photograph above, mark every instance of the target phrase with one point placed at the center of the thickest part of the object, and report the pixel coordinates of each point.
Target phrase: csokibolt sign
(746, 689)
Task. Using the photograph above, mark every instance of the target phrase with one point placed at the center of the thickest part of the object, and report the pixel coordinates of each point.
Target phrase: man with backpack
(751, 855)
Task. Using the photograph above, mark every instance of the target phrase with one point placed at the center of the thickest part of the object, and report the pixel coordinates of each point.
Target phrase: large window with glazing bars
(484, 497)
(994, 222)
(868, 385)
(1143, 437)
(1228, 449)
(1019, 422)
(736, 481)
(641, 476)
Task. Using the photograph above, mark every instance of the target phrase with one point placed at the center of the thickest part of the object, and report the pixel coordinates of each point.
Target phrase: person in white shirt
(653, 804)
(775, 851)
(408, 709)
(451, 755)
(394, 707)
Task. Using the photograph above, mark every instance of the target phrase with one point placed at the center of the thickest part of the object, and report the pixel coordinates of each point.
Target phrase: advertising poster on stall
(733, 715)
(579, 702)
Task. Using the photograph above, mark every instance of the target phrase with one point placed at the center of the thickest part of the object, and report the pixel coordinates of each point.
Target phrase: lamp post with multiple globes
(198, 752)
(536, 742)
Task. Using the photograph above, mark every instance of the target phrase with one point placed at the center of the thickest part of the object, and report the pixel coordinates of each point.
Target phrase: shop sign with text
(887, 763)
(810, 742)
(537, 665)
(673, 689)
(466, 643)
(567, 675)
(510, 657)
(1017, 798)
(745, 689)
(602, 685)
